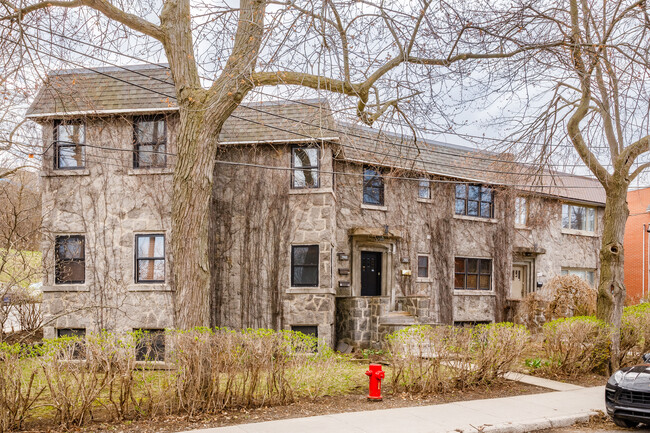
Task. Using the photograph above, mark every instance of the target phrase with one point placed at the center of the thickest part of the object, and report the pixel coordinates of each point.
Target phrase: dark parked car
(627, 395)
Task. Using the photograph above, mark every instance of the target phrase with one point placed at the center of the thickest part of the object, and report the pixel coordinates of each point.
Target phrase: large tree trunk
(611, 288)
(202, 116)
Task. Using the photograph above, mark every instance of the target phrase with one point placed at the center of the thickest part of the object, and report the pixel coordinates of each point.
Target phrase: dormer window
(150, 137)
(69, 145)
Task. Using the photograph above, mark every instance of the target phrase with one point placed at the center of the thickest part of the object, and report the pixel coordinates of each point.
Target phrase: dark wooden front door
(370, 273)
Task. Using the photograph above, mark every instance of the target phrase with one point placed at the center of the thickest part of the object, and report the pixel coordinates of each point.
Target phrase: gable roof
(149, 89)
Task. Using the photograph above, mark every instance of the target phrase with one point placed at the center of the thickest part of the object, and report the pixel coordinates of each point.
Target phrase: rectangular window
(150, 344)
(305, 164)
(373, 186)
(70, 260)
(578, 217)
(585, 274)
(150, 140)
(424, 188)
(474, 200)
(78, 349)
(521, 211)
(69, 145)
(423, 266)
(309, 330)
(304, 265)
(473, 274)
(150, 259)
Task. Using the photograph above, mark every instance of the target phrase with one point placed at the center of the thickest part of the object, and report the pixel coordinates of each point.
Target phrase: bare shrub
(18, 391)
(219, 368)
(576, 345)
(563, 296)
(428, 359)
(74, 383)
(496, 348)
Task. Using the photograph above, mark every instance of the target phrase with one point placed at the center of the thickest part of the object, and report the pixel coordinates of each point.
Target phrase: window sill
(66, 288)
(424, 200)
(477, 219)
(423, 280)
(150, 171)
(311, 291)
(458, 292)
(579, 233)
(522, 227)
(310, 191)
(149, 287)
(66, 172)
(374, 207)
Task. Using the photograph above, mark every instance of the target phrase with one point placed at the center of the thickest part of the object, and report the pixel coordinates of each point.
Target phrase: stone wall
(108, 202)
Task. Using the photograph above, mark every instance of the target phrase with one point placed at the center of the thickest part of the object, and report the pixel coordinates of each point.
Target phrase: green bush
(635, 333)
(576, 345)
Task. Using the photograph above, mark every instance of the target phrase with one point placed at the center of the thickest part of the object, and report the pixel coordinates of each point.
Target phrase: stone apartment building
(320, 226)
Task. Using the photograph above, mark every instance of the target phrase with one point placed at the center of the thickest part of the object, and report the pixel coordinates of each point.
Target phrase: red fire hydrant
(376, 375)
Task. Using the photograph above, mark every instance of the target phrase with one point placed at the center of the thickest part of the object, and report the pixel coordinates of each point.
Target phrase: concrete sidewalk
(510, 414)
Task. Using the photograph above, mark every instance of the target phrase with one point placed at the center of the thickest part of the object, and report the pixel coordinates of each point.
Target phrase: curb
(537, 424)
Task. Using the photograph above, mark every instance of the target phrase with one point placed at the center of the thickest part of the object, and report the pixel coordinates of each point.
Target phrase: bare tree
(379, 53)
(589, 95)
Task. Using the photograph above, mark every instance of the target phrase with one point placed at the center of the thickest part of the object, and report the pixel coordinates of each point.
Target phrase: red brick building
(637, 245)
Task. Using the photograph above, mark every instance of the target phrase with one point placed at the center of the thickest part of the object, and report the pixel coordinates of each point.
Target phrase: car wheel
(624, 422)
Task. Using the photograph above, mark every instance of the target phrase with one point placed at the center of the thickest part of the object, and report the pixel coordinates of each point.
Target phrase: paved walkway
(541, 382)
(500, 415)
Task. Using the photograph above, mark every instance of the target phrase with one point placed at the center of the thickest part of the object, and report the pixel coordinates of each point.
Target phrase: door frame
(386, 249)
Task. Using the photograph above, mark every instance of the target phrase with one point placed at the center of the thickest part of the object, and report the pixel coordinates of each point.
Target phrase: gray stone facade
(259, 217)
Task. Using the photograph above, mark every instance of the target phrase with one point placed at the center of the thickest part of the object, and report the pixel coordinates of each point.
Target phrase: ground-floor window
(585, 274)
(304, 265)
(472, 274)
(423, 266)
(150, 344)
(70, 260)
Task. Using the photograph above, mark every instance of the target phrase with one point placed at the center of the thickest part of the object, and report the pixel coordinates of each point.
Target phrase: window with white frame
(585, 274)
(521, 211)
(424, 188)
(576, 217)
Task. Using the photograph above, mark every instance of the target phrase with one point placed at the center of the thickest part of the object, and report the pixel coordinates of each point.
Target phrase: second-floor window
(150, 258)
(373, 186)
(474, 200)
(305, 166)
(150, 138)
(521, 211)
(69, 145)
(578, 217)
(424, 188)
(70, 260)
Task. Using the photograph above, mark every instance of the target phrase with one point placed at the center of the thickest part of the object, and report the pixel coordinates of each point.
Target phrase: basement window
(474, 200)
(150, 140)
(305, 165)
(78, 348)
(373, 187)
(70, 260)
(585, 274)
(150, 258)
(69, 145)
(150, 345)
(472, 274)
(304, 265)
